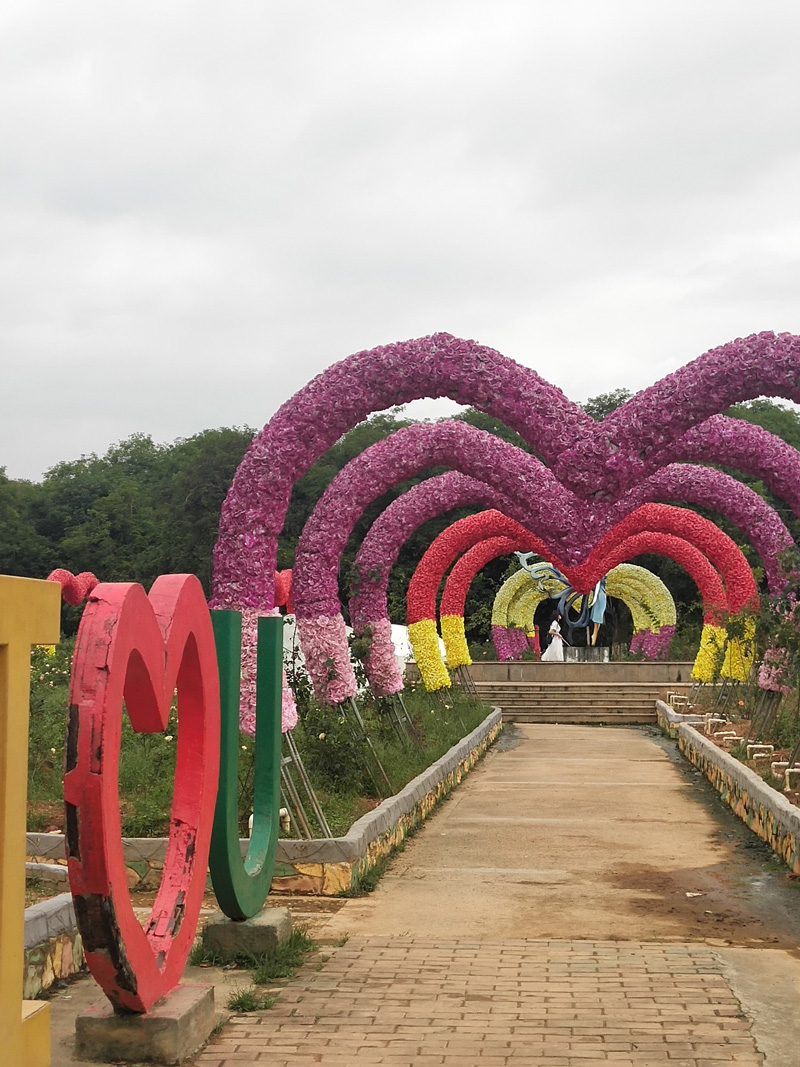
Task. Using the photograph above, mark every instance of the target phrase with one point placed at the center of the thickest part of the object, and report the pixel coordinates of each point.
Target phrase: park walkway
(581, 899)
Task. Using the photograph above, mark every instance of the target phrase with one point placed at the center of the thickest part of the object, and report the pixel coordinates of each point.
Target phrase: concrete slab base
(171, 1032)
(263, 932)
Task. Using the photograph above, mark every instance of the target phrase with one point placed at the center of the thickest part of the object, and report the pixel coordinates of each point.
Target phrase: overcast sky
(203, 204)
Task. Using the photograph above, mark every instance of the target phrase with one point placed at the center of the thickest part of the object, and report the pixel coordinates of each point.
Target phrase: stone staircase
(607, 694)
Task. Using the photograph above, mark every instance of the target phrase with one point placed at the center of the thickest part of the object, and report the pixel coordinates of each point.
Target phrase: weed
(342, 941)
(283, 960)
(367, 882)
(773, 865)
(200, 956)
(249, 999)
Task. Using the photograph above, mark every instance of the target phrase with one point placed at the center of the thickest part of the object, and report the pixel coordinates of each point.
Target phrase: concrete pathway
(582, 898)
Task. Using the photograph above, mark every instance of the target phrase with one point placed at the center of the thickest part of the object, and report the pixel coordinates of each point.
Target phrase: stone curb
(763, 809)
(49, 918)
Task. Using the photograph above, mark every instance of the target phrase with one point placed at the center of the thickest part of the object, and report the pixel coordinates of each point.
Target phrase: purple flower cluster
(509, 644)
(652, 645)
(640, 435)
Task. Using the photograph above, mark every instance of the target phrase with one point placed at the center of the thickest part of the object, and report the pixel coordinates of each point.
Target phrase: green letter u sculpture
(241, 885)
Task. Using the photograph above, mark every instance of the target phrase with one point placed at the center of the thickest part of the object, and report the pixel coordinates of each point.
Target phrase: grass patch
(244, 1000)
(285, 959)
(200, 956)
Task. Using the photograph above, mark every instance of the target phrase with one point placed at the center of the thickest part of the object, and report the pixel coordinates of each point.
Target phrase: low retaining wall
(322, 866)
(53, 946)
(662, 672)
(766, 811)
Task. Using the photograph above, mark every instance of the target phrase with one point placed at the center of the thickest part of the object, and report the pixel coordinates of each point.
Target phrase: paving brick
(409, 1001)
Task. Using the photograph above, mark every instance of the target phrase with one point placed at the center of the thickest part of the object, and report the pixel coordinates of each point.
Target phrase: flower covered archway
(461, 536)
(602, 466)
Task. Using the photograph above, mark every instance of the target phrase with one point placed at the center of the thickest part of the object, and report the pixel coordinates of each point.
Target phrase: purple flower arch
(551, 510)
(382, 544)
(379, 467)
(693, 484)
(748, 448)
(596, 460)
(369, 613)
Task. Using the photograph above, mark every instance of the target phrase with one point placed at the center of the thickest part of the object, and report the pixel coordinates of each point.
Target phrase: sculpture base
(586, 654)
(263, 932)
(169, 1033)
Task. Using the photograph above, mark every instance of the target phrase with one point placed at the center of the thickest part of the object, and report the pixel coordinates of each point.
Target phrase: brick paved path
(415, 1001)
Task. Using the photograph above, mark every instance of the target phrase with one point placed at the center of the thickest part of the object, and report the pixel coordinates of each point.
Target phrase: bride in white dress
(554, 653)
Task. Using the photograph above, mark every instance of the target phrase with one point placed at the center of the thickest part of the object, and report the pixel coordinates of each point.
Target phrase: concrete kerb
(763, 809)
(53, 947)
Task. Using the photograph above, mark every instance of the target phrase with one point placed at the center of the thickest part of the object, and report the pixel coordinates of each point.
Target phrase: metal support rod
(370, 745)
(294, 796)
(306, 781)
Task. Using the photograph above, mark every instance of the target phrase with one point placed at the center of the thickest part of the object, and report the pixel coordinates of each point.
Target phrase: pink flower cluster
(652, 645)
(247, 709)
(509, 644)
(380, 663)
(773, 672)
(324, 644)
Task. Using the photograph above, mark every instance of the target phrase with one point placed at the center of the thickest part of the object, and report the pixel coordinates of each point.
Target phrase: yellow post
(29, 615)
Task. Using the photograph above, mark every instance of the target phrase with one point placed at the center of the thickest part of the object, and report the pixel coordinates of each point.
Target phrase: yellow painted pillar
(30, 614)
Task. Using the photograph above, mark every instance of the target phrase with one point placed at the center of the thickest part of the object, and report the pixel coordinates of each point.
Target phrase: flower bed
(326, 866)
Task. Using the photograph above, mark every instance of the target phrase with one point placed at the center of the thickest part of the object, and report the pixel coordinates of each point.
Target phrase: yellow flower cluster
(425, 645)
(740, 653)
(455, 641)
(524, 608)
(508, 592)
(709, 654)
(648, 599)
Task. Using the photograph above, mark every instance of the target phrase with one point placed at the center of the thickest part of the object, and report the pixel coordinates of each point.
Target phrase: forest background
(145, 509)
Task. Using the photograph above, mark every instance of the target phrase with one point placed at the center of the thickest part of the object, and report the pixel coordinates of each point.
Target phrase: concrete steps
(619, 703)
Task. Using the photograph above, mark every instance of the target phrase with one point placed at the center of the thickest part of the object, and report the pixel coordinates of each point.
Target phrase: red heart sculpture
(140, 649)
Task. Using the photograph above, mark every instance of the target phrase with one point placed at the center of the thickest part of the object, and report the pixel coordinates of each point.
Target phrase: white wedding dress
(554, 653)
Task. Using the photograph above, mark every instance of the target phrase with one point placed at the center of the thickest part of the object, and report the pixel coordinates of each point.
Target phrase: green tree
(604, 403)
